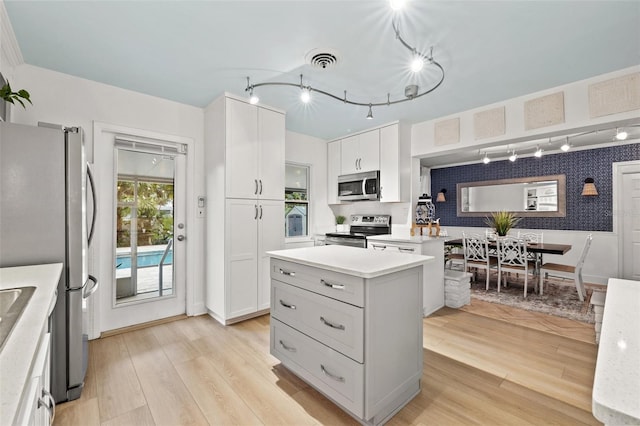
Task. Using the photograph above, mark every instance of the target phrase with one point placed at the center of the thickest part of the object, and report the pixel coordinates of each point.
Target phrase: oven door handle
(364, 186)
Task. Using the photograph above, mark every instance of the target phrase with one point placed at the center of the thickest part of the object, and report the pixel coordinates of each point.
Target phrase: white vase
(342, 228)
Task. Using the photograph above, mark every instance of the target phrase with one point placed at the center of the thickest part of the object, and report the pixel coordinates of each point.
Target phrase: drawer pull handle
(288, 348)
(334, 377)
(406, 249)
(378, 247)
(286, 305)
(332, 325)
(51, 407)
(334, 286)
(290, 274)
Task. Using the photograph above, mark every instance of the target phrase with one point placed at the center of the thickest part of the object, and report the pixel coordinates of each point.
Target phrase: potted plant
(340, 226)
(502, 222)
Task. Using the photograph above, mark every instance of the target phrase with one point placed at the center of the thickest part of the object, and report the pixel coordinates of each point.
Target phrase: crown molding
(9, 43)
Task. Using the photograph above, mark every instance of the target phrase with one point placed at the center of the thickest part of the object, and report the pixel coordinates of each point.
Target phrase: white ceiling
(193, 51)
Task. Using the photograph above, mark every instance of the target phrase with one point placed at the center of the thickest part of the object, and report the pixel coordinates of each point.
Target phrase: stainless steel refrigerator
(45, 217)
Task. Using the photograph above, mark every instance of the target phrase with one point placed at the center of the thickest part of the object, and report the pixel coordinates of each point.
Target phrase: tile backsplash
(583, 213)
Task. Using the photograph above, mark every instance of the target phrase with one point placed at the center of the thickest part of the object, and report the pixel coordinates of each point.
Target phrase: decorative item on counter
(340, 225)
(426, 215)
(502, 221)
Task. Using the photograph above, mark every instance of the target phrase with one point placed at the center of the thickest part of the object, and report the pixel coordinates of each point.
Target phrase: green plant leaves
(8, 95)
(502, 221)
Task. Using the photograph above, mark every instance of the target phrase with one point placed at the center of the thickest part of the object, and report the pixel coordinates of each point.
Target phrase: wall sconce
(589, 187)
(440, 198)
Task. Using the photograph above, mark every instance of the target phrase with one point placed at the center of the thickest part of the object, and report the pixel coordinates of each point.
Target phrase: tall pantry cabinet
(244, 172)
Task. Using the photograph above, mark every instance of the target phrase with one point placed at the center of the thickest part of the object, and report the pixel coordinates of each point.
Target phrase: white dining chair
(476, 255)
(512, 257)
(574, 272)
(534, 258)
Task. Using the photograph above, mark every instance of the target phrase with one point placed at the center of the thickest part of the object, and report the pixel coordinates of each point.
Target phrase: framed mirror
(538, 196)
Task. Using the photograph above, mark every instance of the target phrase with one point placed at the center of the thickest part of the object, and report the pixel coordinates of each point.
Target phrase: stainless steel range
(361, 227)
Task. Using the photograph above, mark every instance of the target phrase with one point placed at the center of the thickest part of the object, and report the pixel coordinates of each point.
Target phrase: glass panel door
(144, 226)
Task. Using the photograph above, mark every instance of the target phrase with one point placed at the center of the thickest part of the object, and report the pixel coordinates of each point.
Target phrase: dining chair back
(574, 272)
(476, 254)
(512, 257)
(534, 258)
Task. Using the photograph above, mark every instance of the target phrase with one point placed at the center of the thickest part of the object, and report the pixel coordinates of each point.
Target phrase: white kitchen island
(349, 322)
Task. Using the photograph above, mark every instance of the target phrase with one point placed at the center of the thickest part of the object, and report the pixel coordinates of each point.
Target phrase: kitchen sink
(12, 304)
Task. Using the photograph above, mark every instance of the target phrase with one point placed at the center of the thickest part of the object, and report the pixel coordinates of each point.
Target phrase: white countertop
(616, 386)
(402, 238)
(21, 345)
(352, 260)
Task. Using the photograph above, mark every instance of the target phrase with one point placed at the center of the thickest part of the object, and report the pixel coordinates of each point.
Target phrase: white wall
(64, 99)
(311, 151)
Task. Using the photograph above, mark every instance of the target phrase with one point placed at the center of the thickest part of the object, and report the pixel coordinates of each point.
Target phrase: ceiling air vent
(322, 58)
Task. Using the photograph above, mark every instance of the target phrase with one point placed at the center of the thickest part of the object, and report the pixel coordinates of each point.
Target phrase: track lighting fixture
(621, 135)
(370, 113)
(486, 159)
(305, 95)
(397, 4)
(538, 152)
(566, 146)
(418, 62)
(513, 157)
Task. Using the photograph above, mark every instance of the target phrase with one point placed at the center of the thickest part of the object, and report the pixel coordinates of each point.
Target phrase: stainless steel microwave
(359, 186)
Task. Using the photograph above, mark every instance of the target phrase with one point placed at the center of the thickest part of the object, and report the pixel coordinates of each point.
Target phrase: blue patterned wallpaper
(583, 213)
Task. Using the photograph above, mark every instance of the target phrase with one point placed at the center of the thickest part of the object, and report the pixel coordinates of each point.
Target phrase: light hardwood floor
(477, 370)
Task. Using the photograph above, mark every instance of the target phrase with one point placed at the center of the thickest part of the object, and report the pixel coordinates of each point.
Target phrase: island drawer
(343, 287)
(336, 324)
(329, 371)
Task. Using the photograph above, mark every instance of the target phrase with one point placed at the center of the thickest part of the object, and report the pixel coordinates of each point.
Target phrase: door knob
(180, 237)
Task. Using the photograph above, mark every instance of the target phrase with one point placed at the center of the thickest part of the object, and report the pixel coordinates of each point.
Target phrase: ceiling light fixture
(414, 93)
(397, 4)
(253, 98)
(305, 94)
(486, 159)
(370, 114)
(538, 152)
(566, 146)
(621, 135)
(513, 157)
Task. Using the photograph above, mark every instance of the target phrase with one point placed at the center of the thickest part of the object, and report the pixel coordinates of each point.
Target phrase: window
(296, 201)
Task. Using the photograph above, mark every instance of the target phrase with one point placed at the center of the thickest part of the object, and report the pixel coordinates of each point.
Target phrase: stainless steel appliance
(361, 227)
(359, 186)
(43, 219)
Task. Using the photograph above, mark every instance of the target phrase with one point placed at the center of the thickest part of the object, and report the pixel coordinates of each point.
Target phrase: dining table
(539, 249)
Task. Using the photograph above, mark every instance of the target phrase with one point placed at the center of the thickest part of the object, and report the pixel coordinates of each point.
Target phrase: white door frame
(100, 257)
(619, 169)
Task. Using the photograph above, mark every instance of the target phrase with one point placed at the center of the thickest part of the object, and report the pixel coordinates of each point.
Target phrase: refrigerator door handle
(94, 211)
(88, 291)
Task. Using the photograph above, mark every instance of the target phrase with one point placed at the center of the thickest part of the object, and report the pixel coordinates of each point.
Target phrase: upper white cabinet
(254, 149)
(244, 170)
(395, 163)
(361, 153)
(387, 149)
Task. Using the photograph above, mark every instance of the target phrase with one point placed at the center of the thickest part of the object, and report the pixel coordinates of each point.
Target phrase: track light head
(417, 63)
(486, 159)
(305, 95)
(397, 4)
(513, 157)
(253, 98)
(621, 135)
(370, 113)
(538, 152)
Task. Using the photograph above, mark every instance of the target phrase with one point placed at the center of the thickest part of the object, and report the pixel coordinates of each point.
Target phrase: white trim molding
(10, 48)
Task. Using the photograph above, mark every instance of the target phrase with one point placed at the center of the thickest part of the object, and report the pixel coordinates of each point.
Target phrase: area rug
(560, 297)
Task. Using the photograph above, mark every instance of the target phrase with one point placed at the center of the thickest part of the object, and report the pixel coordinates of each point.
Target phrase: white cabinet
(433, 286)
(37, 403)
(333, 171)
(360, 153)
(254, 149)
(395, 163)
(387, 149)
(244, 170)
(356, 340)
